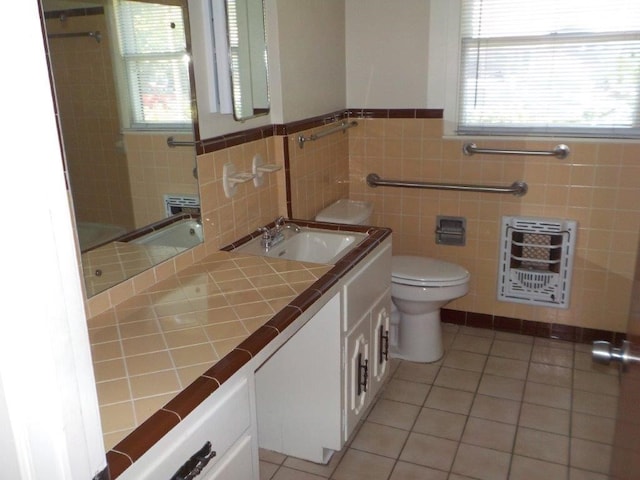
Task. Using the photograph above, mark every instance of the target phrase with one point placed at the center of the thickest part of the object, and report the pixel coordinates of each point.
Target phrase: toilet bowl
(420, 286)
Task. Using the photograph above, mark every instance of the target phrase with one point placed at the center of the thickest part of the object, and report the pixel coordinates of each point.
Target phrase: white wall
(386, 53)
(48, 405)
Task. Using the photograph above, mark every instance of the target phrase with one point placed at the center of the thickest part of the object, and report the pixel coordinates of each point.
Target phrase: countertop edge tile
(192, 396)
(117, 463)
(228, 365)
(138, 442)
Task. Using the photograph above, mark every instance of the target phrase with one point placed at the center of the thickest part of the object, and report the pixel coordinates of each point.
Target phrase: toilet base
(420, 338)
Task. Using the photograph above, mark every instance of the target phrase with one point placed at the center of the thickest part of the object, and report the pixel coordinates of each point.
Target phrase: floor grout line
(534, 458)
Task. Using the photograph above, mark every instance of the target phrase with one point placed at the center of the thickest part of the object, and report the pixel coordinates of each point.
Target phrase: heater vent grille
(536, 260)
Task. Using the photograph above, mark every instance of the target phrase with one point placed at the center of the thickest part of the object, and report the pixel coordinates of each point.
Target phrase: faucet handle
(279, 222)
(264, 231)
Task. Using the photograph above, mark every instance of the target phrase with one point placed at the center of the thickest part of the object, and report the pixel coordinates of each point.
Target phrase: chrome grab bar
(560, 151)
(315, 136)
(176, 143)
(518, 188)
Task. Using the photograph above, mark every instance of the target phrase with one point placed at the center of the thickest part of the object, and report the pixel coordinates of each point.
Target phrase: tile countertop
(161, 353)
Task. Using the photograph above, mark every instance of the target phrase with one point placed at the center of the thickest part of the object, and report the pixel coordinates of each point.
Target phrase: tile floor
(497, 406)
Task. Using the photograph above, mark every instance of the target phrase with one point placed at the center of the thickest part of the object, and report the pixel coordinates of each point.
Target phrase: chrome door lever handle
(604, 353)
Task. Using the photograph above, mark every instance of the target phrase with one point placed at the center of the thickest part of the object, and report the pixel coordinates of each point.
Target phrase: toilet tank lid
(424, 270)
(346, 211)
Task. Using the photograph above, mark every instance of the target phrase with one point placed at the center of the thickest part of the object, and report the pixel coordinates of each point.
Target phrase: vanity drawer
(367, 285)
(220, 420)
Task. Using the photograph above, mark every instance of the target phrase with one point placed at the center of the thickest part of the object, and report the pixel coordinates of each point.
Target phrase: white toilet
(420, 286)
(346, 211)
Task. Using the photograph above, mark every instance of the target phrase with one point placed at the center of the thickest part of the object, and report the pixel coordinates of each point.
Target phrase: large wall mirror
(121, 75)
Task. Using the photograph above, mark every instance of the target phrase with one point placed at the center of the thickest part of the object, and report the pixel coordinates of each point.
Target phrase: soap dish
(268, 168)
(260, 168)
(231, 179)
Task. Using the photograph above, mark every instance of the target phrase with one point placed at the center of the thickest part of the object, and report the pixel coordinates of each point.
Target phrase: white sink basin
(309, 245)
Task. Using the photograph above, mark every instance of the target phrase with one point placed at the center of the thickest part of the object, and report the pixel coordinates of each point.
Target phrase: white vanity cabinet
(311, 393)
(226, 420)
(366, 297)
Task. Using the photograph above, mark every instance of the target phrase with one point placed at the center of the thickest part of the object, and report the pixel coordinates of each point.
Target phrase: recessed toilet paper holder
(451, 230)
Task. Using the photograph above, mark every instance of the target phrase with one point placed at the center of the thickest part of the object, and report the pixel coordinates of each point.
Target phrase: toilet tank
(345, 211)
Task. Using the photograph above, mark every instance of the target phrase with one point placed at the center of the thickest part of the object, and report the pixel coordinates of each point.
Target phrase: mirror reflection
(248, 58)
(120, 70)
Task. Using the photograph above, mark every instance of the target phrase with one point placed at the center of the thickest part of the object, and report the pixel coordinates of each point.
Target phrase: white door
(625, 461)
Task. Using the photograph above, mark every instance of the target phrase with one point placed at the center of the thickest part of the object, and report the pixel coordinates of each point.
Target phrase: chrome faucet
(273, 236)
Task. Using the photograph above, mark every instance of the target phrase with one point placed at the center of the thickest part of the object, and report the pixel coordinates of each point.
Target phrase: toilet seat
(426, 272)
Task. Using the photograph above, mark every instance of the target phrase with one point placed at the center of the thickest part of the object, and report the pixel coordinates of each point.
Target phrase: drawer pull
(194, 466)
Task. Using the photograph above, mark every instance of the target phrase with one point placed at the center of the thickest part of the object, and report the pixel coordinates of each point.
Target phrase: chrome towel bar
(560, 151)
(518, 188)
(176, 143)
(97, 36)
(339, 128)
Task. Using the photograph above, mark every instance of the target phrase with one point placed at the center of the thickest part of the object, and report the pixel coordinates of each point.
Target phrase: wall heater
(536, 260)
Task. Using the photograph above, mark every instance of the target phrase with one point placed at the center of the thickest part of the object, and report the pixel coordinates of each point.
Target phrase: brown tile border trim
(555, 331)
(237, 138)
(232, 139)
(74, 12)
(307, 123)
(396, 112)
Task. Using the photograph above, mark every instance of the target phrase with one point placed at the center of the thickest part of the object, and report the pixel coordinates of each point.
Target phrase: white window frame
(126, 100)
(444, 57)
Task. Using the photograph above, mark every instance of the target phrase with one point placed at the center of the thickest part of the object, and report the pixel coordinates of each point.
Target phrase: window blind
(153, 48)
(550, 67)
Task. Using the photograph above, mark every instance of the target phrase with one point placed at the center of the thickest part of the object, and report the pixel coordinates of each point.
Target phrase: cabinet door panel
(357, 376)
(380, 319)
(362, 291)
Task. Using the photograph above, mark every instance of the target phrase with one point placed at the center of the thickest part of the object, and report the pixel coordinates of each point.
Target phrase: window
(154, 64)
(550, 67)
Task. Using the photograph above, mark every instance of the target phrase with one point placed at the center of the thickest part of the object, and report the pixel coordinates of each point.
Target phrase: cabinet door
(380, 318)
(357, 376)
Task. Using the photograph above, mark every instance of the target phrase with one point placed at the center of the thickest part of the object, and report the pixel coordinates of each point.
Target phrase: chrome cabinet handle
(384, 345)
(363, 374)
(604, 353)
(194, 466)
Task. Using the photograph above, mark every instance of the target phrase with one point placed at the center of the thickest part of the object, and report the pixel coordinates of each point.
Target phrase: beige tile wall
(224, 219)
(228, 219)
(156, 169)
(87, 105)
(319, 172)
(598, 185)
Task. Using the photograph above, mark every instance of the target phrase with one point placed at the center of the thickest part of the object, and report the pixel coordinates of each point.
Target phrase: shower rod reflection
(518, 188)
(95, 35)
